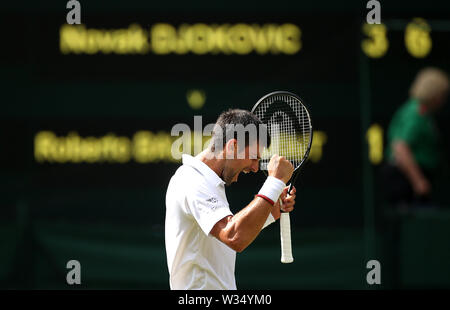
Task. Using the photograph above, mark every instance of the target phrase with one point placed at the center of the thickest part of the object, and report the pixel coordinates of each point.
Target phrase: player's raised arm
(240, 230)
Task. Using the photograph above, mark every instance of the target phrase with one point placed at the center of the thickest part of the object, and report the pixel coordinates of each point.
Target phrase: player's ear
(231, 149)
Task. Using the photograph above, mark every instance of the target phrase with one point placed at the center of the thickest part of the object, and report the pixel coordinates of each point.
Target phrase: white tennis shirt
(195, 202)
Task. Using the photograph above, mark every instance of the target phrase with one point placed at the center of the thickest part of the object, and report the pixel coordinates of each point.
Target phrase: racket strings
(289, 127)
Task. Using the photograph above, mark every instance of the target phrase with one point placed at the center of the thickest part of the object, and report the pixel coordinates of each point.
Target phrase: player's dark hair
(233, 123)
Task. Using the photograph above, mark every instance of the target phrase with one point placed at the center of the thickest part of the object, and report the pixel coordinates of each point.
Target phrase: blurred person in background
(413, 143)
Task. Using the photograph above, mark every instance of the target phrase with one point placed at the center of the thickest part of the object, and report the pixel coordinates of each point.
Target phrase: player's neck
(211, 161)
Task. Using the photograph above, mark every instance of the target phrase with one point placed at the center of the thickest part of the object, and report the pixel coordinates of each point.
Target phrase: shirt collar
(203, 169)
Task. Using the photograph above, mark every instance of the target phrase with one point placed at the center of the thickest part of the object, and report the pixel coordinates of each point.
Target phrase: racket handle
(285, 234)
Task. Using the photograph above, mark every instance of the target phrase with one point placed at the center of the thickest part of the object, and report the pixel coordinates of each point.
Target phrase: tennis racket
(289, 126)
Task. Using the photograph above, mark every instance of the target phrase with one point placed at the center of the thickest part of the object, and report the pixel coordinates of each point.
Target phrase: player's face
(245, 161)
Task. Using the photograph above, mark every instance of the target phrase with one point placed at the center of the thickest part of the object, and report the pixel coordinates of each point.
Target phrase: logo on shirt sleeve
(212, 200)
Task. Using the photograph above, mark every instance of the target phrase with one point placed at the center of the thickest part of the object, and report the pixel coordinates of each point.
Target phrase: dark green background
(110, 217)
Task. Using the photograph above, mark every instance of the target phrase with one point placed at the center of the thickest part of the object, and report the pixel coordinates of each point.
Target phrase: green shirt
(418, 131)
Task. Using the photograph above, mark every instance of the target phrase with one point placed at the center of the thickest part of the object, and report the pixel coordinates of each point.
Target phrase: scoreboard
(90, 107)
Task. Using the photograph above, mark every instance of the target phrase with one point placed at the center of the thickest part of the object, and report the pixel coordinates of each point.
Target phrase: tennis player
(202, 235)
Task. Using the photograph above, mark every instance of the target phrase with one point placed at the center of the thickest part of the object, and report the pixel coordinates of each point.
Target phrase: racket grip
(285, 234)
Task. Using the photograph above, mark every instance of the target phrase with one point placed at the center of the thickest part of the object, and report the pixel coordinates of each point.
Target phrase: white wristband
(272, 188)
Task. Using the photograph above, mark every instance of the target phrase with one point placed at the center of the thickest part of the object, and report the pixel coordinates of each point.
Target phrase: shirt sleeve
(207, 209)
(408, 131)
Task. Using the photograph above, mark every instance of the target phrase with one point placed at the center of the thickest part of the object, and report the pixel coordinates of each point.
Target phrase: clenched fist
(280, 168)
